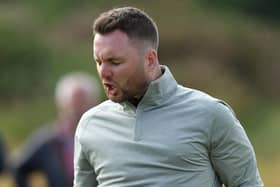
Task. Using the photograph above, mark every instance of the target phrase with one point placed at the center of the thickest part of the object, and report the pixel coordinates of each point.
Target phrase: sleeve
(231, 153)
(84, 175)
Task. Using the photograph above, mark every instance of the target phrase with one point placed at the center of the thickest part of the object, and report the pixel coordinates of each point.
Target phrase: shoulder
(221, 118)
(35, 143)
(218, 115)
(201, 100)
(216, 111)
(103, 109)
(40, 137)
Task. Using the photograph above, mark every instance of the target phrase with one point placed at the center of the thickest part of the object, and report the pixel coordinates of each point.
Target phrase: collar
(157, 93)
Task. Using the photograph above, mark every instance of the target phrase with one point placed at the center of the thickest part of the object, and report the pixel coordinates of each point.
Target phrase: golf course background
(229, 49)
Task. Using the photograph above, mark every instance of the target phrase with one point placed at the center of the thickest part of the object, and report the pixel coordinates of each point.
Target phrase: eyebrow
(114, 58)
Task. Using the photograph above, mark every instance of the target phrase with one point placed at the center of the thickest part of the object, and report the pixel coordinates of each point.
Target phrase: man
(2, 155)
(152, 131)
(50, 149)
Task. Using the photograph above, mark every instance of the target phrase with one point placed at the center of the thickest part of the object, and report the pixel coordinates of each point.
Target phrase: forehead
(116, 35)
(114, 41)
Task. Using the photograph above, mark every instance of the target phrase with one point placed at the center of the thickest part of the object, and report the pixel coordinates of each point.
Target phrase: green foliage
(260, 8)
(25, 64)
(50, 10)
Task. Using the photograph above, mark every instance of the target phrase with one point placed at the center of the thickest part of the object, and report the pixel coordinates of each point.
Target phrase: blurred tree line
(262, 9)
(203, 55)
(26, 67)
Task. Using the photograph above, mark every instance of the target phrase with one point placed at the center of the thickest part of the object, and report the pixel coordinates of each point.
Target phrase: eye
(115, 61)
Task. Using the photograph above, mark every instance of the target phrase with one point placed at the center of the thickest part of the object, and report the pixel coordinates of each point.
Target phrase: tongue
(111, 90)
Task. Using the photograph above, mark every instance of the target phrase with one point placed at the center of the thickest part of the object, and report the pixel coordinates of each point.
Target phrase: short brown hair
(132, 21)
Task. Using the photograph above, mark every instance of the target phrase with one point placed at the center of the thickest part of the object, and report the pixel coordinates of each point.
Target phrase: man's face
(121, 66)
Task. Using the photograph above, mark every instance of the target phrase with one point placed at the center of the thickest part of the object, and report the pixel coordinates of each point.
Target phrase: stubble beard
(126, 95)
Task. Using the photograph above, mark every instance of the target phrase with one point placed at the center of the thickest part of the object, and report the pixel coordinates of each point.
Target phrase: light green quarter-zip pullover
(176, 137)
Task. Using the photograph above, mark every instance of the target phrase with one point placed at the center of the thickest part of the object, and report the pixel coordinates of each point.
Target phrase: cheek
(123, 74)
(130, 75)
(136, 79)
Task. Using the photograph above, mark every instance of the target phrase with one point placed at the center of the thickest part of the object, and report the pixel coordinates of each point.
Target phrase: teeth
(109, 87)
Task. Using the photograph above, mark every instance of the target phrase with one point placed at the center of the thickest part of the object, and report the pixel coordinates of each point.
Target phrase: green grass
(262, 123)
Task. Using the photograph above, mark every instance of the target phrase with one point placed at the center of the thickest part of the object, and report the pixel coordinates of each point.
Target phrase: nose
(105, 71)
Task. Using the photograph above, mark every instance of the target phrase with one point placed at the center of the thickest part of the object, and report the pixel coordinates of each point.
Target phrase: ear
(152, 58)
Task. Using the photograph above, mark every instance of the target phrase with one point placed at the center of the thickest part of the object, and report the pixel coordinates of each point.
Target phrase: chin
(116, 100)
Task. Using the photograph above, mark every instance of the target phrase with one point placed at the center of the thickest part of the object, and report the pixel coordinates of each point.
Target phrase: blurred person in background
(6, 179)
(153, 131)
(50, 149)
(2, 155)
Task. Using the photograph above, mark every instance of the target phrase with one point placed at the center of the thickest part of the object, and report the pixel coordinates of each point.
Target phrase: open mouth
(110, 89)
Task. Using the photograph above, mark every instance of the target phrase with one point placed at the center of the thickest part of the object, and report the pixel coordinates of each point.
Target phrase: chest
(152, 139)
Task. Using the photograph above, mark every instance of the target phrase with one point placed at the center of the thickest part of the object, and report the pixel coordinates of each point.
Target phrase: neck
(135, 101)
(158, 72)
(155, 75)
